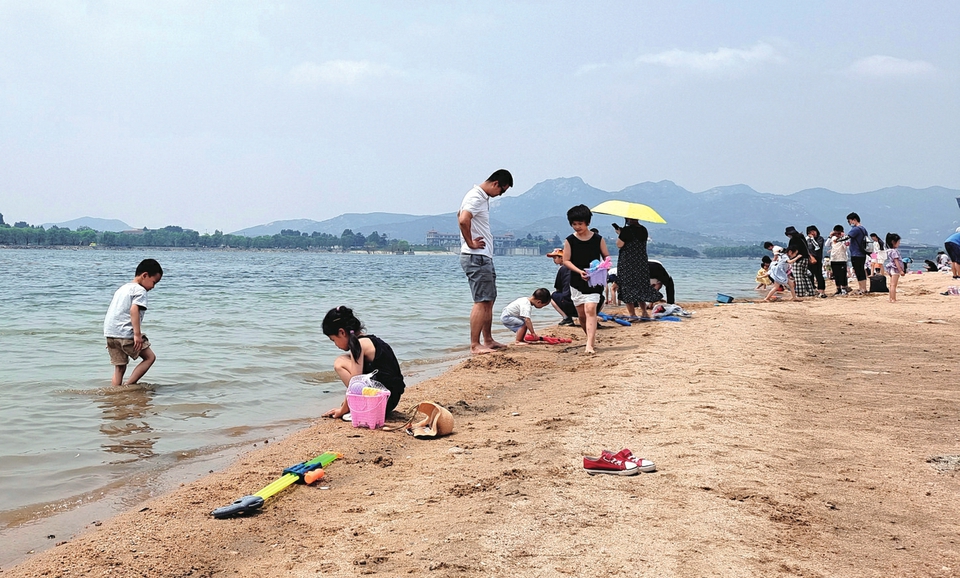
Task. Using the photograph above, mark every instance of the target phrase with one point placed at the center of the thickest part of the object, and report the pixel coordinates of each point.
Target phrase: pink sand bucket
(368, 410)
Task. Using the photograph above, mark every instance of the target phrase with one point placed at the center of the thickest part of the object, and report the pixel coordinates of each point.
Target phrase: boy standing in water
(121, 326)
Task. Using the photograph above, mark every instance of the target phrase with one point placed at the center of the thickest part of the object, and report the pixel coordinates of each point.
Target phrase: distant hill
(726, 215)
(94, 223)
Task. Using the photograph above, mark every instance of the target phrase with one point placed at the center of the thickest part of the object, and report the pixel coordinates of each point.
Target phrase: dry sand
(792, 439)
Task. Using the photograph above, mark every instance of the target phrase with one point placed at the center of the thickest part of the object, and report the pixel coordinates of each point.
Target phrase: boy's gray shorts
(512, 323)
(481, 275)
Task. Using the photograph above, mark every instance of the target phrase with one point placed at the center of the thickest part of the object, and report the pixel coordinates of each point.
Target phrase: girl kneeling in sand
(366, 353)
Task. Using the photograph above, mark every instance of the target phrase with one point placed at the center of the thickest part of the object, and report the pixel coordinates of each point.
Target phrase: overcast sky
(224, 115)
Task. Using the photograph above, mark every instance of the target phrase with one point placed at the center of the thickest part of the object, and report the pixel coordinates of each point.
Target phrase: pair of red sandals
(622, 463)
(546, 339)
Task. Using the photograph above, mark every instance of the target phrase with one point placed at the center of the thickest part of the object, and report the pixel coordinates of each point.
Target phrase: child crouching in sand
(365, 354)
(516, 316)
(579, 250)
(763, 275)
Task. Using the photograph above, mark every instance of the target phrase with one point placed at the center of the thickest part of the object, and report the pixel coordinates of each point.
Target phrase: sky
(224, 115)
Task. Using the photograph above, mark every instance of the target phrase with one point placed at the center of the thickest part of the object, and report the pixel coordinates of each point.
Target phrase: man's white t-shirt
(519, 308)
(477, 203)
(117, 322)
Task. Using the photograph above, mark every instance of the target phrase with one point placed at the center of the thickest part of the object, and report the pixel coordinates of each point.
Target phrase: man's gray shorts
(481, 275)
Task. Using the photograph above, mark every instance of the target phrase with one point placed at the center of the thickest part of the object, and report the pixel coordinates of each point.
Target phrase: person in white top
(122, 323)
(476, 257)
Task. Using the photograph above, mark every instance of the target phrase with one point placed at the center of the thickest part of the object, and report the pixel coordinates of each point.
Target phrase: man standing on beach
(858, 251)
(476, 256)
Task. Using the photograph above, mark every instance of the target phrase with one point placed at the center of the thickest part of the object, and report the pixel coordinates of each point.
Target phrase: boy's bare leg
(118, 371)
(148, 358)
(590, 312)
(521, 333)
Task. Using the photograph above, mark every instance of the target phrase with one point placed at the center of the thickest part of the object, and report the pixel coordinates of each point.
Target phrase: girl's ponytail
(343, 318)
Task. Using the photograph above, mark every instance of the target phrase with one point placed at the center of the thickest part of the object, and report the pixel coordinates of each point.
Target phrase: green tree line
(23, 234)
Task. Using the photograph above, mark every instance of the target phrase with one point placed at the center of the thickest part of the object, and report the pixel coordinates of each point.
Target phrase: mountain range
(721, 216)
(112, 225)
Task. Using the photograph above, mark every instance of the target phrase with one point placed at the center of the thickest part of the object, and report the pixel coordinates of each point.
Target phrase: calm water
(240, 352)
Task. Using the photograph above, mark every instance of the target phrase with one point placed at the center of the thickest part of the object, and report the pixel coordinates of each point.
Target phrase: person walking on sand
(579, 250)
(122, 324)
(476, 257)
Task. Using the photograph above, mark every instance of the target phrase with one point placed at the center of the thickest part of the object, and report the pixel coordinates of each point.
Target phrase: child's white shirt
(117, 322)
(519, 308)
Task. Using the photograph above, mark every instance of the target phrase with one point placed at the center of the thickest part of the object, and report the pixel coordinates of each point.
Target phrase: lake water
(240, 353)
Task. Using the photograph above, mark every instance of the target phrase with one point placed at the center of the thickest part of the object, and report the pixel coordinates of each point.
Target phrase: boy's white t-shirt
(519, 308)
(117, 322)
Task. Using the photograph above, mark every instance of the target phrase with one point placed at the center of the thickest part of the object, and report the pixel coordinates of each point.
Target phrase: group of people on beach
(639, 280)
(801, 267)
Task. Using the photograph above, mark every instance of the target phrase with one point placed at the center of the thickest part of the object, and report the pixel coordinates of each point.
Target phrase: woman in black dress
(633, 268)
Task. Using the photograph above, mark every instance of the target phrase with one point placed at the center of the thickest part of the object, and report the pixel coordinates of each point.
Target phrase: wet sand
(818, 438)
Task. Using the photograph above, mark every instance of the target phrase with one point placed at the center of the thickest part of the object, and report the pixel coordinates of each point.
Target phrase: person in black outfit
(560, 299)
(815, 247)
(659, 272)
(365, 354)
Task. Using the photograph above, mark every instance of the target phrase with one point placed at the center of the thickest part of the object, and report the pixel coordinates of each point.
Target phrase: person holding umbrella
(633, 267)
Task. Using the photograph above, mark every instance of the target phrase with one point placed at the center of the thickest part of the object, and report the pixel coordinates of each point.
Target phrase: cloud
(880, 66)
(720, 60)
(338, 72)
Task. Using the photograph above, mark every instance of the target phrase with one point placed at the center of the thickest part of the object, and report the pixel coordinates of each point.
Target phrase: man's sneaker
(608, 463)
(566, 321)
(627, 456)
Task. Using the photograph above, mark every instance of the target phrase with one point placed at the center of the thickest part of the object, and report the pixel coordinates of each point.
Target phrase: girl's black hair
(343, 318)
(892, 238)
(879, 242)
(580, 213)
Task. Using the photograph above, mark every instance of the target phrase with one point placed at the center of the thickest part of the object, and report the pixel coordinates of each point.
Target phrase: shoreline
(72, 515)
(789, 440)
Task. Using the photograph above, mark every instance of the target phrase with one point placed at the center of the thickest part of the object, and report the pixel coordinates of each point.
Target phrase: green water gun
(304, 472)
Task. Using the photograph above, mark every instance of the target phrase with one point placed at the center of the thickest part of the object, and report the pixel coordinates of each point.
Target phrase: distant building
(502, 244)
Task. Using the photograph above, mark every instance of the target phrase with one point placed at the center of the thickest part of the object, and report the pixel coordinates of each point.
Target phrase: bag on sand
(438, 421)
(878, 284)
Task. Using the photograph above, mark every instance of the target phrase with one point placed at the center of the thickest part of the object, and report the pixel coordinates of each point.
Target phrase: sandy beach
(816, 439)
